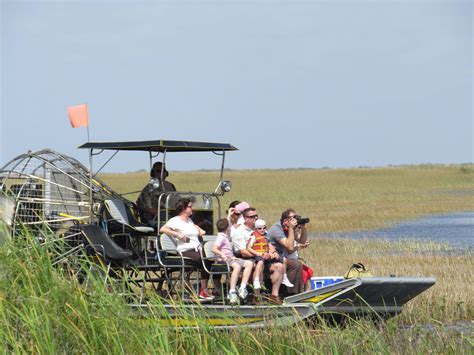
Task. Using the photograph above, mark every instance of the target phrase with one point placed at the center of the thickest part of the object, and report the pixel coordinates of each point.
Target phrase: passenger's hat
(156, 169)
(242, 206)
(260, 223)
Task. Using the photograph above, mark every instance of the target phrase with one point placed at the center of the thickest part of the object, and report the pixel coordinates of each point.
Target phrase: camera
(301, 220)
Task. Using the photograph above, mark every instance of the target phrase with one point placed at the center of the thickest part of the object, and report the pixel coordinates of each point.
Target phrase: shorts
(269, 261)
(306, 273)
(239, 262)
(267, 264)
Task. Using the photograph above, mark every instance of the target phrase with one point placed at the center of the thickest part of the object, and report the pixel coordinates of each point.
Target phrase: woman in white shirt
(187, 234)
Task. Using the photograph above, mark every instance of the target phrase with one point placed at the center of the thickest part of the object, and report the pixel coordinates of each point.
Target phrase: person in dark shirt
(147, 201)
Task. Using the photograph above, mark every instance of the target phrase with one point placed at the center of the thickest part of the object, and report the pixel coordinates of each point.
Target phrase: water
(456, 230)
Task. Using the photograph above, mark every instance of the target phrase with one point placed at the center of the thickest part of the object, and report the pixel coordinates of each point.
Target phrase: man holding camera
(288, 236)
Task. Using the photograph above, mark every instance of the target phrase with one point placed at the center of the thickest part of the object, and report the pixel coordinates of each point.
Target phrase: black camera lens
(301, 220)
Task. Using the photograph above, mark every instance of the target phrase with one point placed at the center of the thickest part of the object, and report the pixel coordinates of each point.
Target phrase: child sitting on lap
(223, 249)
(264, 252)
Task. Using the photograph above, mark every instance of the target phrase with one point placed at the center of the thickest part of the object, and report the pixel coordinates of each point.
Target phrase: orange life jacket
(261, 243)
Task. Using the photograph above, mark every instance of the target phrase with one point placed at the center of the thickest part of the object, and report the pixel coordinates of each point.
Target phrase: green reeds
(449, 300)
(45, 309)
(68, 308)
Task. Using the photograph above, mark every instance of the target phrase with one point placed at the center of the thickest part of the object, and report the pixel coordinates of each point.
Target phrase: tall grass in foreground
(334, 199)
(45, 310)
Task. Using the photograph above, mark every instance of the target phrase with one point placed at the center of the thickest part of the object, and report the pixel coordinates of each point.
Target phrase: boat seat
(102, 244)
(122, 219)
(172, 260)
(168, 254)
(215, 268)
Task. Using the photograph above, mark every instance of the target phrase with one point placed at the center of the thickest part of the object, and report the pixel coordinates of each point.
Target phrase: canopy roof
(160, 146)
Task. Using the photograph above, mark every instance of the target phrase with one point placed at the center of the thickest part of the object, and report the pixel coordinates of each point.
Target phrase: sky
(292, 84)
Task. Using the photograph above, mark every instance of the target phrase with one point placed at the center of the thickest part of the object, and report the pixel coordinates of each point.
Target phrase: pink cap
(242, 206)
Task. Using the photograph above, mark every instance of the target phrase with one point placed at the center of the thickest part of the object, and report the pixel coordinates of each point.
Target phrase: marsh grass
(355, 199)
(450, 299)
(334, 200)
(45, 310)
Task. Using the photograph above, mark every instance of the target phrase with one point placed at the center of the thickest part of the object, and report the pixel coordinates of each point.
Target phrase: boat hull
(379, 297)
(228, 317)
(382, 296)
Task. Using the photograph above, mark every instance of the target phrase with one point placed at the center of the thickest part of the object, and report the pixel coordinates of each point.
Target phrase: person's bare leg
(235, 275)
(248, 267)
(285, 280)
(258, 275)
(277, 276)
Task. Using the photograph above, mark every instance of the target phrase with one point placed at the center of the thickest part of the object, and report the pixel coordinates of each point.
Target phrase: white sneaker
(286, 282)
(256, 284)
(233, 298)
(243, 293)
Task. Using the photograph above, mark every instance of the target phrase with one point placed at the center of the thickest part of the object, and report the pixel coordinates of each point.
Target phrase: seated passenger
(264, 251)
(223, 249)
(238, 211)
(232, 214)
(187, 235)
(307, 275)
(240, 237)
(147, 201)
(288, 237)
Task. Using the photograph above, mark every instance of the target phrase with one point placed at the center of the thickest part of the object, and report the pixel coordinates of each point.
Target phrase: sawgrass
(43, 310)
(355, 199)
(334, 199)
(450, 299)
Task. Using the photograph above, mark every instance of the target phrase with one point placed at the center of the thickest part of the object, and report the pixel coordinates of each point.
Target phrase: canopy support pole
(222, 166)
(90, 186)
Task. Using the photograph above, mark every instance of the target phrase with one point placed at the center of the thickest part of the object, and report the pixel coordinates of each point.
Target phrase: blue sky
(292, 84)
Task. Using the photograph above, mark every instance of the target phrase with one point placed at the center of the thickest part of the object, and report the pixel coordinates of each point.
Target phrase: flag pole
(91, 199)
(91, 152)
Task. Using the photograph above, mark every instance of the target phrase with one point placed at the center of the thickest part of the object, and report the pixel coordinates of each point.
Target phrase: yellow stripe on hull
(180, 322)
(319, 298)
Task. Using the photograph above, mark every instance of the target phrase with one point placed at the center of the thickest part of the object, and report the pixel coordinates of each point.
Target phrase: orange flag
(78, 115)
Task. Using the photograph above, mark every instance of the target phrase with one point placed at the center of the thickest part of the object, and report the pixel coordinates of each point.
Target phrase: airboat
(59, 201)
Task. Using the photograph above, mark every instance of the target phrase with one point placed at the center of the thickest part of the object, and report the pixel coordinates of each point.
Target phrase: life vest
(261, 243)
